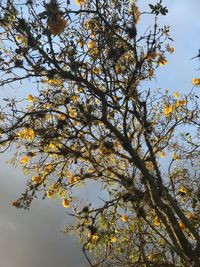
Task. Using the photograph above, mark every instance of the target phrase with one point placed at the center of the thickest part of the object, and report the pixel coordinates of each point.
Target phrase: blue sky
(33, 238)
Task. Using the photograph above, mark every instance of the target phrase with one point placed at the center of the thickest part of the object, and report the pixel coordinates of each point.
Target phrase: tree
(93, 120)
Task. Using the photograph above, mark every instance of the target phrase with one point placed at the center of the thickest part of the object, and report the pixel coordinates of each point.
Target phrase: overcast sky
(33, 238)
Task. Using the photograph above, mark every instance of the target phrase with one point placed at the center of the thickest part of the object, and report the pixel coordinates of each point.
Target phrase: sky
(33, 238)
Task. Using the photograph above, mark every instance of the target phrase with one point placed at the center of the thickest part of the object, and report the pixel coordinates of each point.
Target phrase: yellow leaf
(66, 203)
(151, 73)
(113, 239)
(48, 168)
(96, 70)
(150, 166)
(91, 44)
(152, 257)
(36, 179)
(176, 94)
(29, 134)
(180, 103)
(191, 216)
(162, 154)
(73, 179)
(162, 62)
(182, 225)
(156, 221)
(95, 236)
(75, 98)
(196, 81)
(30, 98)
(168, 109)
(183, 189)
(124, 217)
(80, 89)
(21, 39)
(80, 2)
(72, 113)
(54, 82)
(24, 160)
(170, 49)
(175, 156)
(62, 117)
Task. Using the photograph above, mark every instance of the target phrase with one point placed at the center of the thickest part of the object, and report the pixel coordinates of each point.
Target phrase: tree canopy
(96, 117)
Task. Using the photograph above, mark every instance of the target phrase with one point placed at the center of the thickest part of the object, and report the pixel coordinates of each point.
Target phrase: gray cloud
(33, 238)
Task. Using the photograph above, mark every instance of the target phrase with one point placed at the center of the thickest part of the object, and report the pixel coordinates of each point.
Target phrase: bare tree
(92, 119)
